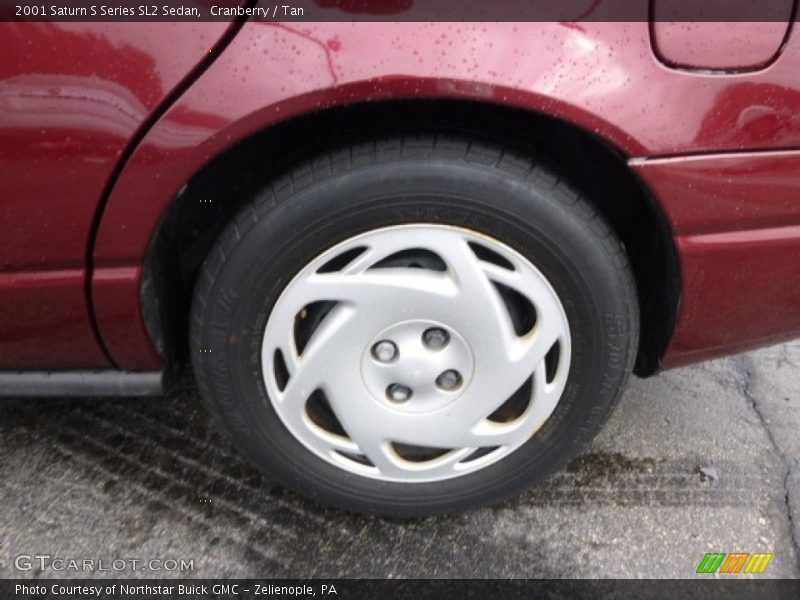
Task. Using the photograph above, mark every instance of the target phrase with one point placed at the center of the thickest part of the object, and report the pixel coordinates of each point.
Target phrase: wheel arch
(599, 169)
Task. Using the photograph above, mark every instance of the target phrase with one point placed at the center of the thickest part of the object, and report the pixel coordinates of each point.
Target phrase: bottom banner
(411, 589)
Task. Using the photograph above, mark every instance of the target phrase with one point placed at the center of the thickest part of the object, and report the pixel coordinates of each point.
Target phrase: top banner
(399, 10)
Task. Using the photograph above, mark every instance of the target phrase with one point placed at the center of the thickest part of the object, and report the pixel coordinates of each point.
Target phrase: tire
(403, 196)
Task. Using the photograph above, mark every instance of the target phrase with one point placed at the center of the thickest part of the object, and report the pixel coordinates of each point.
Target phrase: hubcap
(416, 353)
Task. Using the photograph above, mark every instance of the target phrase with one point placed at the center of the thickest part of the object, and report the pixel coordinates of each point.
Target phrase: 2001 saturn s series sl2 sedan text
(412, 264)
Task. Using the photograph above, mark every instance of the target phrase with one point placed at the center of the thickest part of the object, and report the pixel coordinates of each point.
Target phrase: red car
(412, 264)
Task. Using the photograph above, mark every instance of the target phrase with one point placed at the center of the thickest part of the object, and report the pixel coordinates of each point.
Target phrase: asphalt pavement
(696, 460)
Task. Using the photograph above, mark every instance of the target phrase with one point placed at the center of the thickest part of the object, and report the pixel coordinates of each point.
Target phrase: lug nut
(435, 338)
(384, 351)
(449, 380)
(398, 393)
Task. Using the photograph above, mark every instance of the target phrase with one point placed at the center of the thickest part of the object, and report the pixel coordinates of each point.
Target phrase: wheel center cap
(417, 366)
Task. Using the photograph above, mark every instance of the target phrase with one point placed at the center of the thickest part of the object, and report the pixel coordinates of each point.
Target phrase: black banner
(419, 589)
(398, 10)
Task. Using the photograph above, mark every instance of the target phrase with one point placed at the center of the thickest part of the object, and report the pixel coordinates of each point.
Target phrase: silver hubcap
(416, 353)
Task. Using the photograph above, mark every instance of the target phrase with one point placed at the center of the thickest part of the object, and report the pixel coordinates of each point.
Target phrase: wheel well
(213, 195)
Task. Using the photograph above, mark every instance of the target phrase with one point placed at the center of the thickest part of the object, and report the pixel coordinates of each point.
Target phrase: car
(412, 265)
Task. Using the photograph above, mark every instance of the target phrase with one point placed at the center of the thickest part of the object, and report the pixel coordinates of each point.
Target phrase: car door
(73, 97)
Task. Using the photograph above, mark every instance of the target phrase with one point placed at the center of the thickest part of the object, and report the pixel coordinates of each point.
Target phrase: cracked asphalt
(695, 460)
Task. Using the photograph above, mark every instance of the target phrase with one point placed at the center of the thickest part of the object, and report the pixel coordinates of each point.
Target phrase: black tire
(411, 180)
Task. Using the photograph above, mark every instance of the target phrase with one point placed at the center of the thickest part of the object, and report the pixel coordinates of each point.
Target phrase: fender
(602, 77)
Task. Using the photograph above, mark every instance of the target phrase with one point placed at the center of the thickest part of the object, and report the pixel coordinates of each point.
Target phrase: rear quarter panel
(602, 77)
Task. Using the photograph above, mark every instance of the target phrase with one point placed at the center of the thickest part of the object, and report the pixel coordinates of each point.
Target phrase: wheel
(414, 326)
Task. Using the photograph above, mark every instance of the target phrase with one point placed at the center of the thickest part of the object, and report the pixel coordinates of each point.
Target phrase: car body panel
(752, 300)
(117, 290)
(601, 77)
(45, 322)
(72, 96)
(736, 220)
